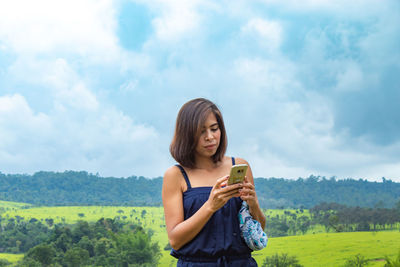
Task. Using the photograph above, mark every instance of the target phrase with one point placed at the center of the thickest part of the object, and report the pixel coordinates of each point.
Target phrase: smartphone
(238, 172)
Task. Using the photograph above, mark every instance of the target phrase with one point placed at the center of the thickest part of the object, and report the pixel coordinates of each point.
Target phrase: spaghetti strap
(184, 175)
(233, 161)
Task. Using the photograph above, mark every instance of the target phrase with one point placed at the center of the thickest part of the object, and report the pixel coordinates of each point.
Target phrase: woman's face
(210, 136)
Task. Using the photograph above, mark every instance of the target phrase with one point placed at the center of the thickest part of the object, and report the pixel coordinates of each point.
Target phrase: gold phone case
(238, 172)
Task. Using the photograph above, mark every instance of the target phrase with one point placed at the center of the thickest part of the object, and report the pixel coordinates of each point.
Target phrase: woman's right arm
(182, 231)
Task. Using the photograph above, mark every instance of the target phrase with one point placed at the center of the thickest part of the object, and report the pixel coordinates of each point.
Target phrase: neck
(205, 163)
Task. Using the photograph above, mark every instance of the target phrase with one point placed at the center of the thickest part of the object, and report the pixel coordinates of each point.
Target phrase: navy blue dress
(219, 242)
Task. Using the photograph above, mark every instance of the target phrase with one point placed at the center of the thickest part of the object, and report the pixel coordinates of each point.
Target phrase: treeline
(82, 188)
(334, 218)
(306, 193)
(108, 242)
(343, 218)
(79, 188)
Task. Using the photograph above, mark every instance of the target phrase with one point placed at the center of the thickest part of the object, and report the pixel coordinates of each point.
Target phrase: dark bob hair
(190, 120)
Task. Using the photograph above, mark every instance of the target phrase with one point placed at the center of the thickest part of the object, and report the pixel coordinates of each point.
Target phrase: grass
(12, 258)
(320, 249)
(8, 205)
(333, 249)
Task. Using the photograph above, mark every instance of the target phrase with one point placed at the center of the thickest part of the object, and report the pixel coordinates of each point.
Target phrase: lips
(210, 147)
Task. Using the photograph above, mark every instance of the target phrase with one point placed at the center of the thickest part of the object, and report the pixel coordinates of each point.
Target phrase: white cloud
(375, 172)
(78, 27)
(268, 33)
(178, 19)
(357, 8)
(15, 111)
(21, 129)
(351, 79)
(79, 132)
(108, 142)
(129, 86)
(103, 140)
(297, 140)
(56, 46)
(269, 78)
(293, 132)
(57, 78)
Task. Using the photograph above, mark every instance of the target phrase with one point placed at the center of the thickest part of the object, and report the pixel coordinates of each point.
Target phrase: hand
(221, 193)
(248, 194)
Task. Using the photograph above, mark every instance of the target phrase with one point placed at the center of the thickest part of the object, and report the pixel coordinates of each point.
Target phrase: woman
(201, 210)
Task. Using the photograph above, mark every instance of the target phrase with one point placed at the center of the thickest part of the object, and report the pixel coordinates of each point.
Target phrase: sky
(306, 87)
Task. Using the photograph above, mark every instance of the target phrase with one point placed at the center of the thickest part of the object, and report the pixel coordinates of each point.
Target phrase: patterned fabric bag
(251, 230)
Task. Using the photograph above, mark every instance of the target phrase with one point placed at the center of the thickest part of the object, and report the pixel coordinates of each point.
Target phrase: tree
(49, 222)
(42, 253)
(86, 243)
(63, 242)
(303, 223)
(4, 262)
(102, 246)
(277, 226)
(136, 247)
(143, 213)
(76, 257)
(81, 229)
(392, 263)
(283, 260)
(357, 261)
(29, 262)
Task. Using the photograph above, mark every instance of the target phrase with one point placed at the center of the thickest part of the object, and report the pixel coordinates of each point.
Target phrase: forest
(107, 242)
(82, 188)
(334, 218)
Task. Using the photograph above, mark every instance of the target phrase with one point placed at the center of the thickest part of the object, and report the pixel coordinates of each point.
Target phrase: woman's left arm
(248, 194)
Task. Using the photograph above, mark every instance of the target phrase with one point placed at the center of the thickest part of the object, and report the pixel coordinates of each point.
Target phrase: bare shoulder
(228, 160)
(172, 171)
(241, 161)
(172, 175)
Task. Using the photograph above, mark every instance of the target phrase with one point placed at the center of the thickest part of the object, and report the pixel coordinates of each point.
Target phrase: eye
(215, 129)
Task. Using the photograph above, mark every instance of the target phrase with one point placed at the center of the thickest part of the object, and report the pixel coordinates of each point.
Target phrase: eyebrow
(212, 125)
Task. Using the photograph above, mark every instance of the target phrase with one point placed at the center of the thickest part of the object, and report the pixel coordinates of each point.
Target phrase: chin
(209, 153)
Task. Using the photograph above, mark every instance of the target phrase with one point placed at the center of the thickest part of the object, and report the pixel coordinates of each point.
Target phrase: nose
(209, 135)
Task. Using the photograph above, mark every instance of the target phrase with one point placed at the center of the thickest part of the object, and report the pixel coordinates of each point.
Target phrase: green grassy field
(7, 205)
(320, 249)
(13, 258)
(334, 249)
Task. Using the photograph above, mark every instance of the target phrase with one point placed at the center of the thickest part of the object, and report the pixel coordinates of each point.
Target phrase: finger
(235, 192)
(221, 200)
(220, 181)
(229, 195)
(247, 197)
(233, 187)
(248, 186)
(247, 190)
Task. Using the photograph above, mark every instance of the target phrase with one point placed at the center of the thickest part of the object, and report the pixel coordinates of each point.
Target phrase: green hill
(82, 188)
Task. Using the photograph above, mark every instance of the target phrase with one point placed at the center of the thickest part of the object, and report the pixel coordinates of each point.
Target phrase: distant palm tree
(357, 261)
(392, 263)
(283, 260)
